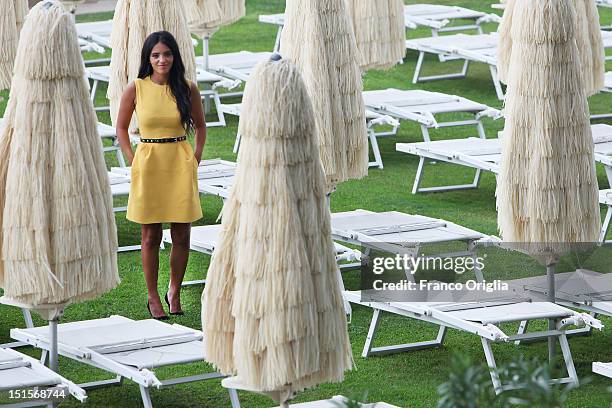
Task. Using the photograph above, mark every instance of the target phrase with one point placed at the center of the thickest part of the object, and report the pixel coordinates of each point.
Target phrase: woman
(164, 168)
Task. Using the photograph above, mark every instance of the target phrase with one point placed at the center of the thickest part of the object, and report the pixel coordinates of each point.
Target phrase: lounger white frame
(19, 372)
(433, 16)
(423, 107)
(479, 318)
(438, 17)
(584, 290)
(471, 48)
(482, 155)
(233, 65)
(99, 32)
(374, 123)
(127, 349)
(98, 74)
(604, 369)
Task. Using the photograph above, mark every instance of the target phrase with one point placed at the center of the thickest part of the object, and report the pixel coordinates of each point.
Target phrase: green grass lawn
(406, 380)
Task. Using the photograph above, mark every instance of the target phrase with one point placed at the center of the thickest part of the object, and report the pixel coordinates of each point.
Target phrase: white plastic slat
(440, 12)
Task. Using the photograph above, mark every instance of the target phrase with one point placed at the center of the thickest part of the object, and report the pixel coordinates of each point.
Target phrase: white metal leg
(416, 187)
(369, 350)
(375, 150)
(237, 143)
(606, 226)
(419, 78)
(146, 397)
(499, 90)
(207, 96)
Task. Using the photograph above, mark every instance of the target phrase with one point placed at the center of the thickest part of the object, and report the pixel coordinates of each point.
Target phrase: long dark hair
(180, 88)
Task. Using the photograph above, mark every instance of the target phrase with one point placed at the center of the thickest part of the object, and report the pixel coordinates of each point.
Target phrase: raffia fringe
(60, 246)
(276, 320)
(547, 187)
(327, 58)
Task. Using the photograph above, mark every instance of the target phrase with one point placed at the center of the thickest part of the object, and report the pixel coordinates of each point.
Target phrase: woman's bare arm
(124, 117)
(199, 121)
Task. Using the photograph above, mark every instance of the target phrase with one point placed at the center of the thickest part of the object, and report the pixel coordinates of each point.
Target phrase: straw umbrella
(133, 21)
(379, 31)
(11, 20)
(61, 246)
(272, 307)
(205, 17)
(547, 194)
(587, 36)
(58, 236)
(327, 57)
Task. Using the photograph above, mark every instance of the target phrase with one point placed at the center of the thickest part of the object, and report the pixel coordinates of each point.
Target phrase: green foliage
(528, 382)
(468, 386)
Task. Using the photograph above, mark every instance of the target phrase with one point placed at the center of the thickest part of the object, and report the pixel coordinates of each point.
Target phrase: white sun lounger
(582, 289)
(127, 349)
(96, 31)
(485, 154)
(21, 373)
(608, 82)
(479, 318)
(234, 65)
(99, 32)
(423, 107)
(472, 48)
(98, 74)
(204, 239)
(436, 17)
(604, 369)
(374, 122)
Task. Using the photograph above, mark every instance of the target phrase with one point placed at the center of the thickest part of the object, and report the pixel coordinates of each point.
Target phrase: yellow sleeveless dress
(164, 187)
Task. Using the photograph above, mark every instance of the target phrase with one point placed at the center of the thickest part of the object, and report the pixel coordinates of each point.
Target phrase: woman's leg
(178, 263)
(150, 241)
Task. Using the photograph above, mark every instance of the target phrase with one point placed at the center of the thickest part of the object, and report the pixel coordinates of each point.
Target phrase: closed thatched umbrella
(205, 17)
(58, 238)
(133, 21)
(587, 36)
(11, 20)
(58, 231)
(380, 32)
(547, 194)
(319, 39)
(276, 321)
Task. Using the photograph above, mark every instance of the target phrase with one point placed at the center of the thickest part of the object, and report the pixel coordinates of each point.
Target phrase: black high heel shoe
(181, 313)
(164, 317)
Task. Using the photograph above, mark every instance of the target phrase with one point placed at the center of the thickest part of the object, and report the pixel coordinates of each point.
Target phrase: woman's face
(161, 59)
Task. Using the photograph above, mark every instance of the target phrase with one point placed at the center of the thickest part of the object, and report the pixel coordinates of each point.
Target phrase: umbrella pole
(552, 345)
(205, 51)
(53, 354)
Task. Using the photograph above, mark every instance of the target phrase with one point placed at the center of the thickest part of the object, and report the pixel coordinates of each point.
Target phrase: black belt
(164, 140)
